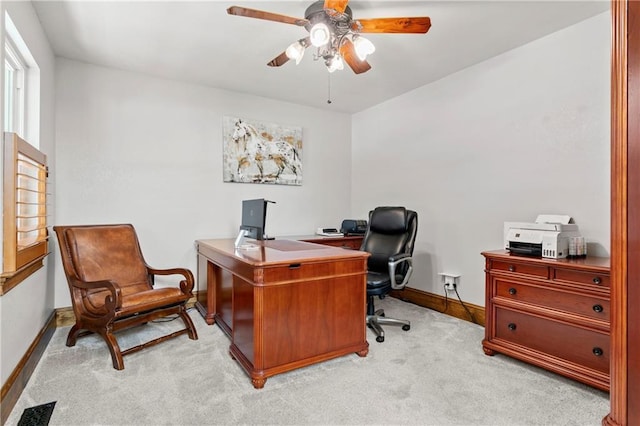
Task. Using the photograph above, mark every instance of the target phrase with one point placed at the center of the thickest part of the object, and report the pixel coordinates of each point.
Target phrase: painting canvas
(257, 152)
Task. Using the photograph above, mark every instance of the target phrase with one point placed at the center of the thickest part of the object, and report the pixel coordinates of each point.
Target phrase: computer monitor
(254, 216)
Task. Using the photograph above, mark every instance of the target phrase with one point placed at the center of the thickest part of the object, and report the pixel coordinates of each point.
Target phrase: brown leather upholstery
(112, 286)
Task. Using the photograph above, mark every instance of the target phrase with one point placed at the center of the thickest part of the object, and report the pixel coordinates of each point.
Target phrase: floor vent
(38, 415)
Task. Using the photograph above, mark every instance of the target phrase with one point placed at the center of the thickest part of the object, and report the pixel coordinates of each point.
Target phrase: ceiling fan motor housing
(340, 23)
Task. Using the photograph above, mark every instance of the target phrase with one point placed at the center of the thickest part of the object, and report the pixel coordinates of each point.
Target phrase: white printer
(548, 236)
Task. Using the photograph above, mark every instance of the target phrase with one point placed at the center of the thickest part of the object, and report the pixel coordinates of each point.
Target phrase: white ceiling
(199, 42)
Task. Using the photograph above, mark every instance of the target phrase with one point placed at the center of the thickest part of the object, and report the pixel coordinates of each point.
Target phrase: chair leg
(193, 334)
(72, 337)
(375, 322)
(372, 323)
(406, 325)
(114, 348)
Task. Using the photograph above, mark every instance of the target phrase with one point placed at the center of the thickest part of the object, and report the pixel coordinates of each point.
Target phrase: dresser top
(590, 262)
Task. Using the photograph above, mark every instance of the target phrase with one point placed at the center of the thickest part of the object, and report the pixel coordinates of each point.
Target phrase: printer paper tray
(526, 249)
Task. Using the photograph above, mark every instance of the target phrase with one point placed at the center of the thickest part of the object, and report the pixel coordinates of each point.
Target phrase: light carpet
(434, 374)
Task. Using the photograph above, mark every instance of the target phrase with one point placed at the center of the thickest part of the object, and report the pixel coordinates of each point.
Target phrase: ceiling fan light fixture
(319, 34)
(335, 63)
(295, 51)
(363, 47)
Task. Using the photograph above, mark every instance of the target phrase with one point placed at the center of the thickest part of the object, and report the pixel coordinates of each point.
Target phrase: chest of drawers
(550, 313)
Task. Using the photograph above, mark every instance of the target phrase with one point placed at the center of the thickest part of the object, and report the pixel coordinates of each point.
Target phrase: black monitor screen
(254, 214)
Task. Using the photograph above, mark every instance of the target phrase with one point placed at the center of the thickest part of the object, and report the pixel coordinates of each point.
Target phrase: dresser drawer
(529, 269)
(584, 347)
(581, 277)
(553, 298)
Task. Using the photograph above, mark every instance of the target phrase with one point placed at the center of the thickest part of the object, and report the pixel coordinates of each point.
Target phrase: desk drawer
(584, 347)
(343, 243)
(311, 270)
(529, 269)
(350, 242)
(581, 277)
(554, 298)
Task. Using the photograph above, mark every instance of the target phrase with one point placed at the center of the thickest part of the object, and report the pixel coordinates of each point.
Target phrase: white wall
(25, 309)
(132, 148)
(523, 133)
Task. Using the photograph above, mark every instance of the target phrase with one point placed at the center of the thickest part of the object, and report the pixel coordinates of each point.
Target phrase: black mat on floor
(38, 415)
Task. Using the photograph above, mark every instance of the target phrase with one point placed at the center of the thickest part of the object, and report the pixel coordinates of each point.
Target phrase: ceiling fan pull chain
(329, 95)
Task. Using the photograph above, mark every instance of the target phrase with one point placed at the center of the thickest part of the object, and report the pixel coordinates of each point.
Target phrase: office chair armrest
(394, 261)
(113, 302)
(186, 285)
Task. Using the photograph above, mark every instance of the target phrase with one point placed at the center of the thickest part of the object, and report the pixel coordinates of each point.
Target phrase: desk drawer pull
(598, 351)
(512, 268)
(597, 280)
(294, 266)
(511, 326)
(598, 308)
(512, 291)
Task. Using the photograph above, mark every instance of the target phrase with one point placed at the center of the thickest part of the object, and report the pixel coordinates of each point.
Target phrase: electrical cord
(446, 298)
(446, 301)
(455, 288)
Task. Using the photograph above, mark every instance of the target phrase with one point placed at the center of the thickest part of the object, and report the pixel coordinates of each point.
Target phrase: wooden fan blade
(348, 53)
(416, 25)
(260, 14)
(337, 5)
(278, 60)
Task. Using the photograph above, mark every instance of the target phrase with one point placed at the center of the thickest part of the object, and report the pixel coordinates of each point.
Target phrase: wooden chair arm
(186, 285)
(112, 302)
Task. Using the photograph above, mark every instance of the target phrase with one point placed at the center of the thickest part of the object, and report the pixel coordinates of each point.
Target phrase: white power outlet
(450, 281)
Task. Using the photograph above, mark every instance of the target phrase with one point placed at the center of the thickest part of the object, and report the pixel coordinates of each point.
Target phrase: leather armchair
(390, 238)
(112, 286)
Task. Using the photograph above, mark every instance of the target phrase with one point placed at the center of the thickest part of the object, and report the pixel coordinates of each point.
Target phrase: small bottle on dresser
(577, 248)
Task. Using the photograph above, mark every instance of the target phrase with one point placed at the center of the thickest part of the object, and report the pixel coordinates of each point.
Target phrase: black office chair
(390, 237)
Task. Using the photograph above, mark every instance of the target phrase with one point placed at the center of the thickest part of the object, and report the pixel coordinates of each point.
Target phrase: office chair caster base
(406, 327)
(380, 339)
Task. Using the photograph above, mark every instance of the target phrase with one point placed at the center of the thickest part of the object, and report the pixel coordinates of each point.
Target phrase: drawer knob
(513, 291)
(598, 308)
(598, 351)
(512, 268)
(597, 280)
(512, 327)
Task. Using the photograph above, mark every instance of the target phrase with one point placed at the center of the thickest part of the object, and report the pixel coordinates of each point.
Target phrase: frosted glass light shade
(336, 64)
(363, 47)
(319, 34)
(295, 51)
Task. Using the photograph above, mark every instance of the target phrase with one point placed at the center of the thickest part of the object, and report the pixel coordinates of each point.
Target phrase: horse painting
(271, 155)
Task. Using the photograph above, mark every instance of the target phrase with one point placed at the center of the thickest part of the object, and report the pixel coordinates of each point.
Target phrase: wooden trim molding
(618, 212)
(441, 304)
(9, 281)
(20, 376)
(625, 214)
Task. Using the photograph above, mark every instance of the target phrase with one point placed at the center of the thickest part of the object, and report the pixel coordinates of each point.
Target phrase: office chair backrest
(391, 230)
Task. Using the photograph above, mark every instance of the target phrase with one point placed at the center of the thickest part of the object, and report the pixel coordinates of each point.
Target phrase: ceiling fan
(335, 34)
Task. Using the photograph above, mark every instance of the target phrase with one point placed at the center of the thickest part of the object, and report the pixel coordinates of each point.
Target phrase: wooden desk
(352, 242)
(285, 305)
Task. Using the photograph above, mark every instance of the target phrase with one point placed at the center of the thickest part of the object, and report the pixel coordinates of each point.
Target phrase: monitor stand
(240, 243)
